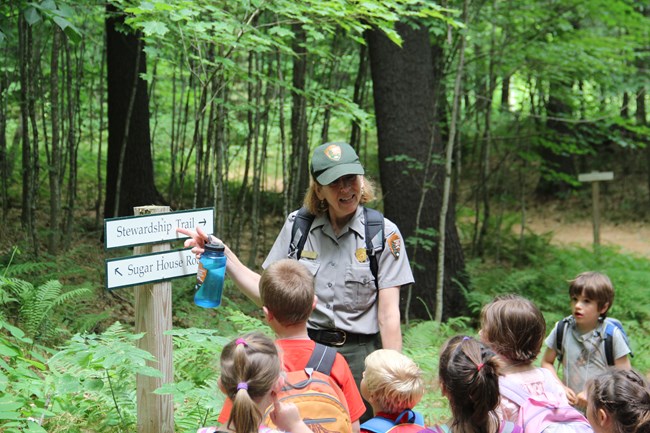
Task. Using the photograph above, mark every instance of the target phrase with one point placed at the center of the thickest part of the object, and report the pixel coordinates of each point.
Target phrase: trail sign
(149, 268)
(155, 228)
(595, 177)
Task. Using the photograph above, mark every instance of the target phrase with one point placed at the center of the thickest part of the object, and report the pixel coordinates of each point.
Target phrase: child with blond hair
(392, 383)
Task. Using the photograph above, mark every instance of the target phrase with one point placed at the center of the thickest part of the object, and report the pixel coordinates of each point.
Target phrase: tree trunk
(24, 50)
(54, 157)
(128, 123)
(405, 114)
(359, 95)
(557, 109)
(299, 161)
(449, 151)
(4, 162)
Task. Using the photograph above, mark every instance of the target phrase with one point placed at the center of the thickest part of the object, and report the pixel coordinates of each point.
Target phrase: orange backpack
(319, 399)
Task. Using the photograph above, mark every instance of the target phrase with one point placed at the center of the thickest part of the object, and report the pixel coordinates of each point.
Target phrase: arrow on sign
(202, 222)
(149, 268)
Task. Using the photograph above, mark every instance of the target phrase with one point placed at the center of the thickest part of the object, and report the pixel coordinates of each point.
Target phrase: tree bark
(558, 108)
(127, 125)
(24, 53)
(4, 162)
(299, 161)
(405, 114)
(54, 157)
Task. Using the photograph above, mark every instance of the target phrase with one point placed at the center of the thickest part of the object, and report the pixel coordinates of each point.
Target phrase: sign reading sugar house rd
(149, 268)
(155, 228)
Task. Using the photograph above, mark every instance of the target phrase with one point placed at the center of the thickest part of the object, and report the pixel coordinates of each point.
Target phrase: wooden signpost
(595, 177)
(151, 230)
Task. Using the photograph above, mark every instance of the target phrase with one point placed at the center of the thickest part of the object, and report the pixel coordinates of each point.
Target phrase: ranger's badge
(361, 254)
(394, 244)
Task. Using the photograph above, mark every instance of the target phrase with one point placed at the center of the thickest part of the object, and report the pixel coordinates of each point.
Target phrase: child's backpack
(536, 414)
(319, 399)
(408, 421)
(505, 427)
(610, 325)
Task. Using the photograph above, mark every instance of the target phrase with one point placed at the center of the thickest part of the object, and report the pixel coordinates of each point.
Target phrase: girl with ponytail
(469, 378)
(251, 374)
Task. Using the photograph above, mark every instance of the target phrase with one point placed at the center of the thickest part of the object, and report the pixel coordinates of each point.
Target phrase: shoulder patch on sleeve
(394, 243)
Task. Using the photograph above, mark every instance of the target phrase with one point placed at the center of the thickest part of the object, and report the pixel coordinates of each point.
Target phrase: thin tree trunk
(100, 182)
(72, 142)
(54, 156)
(4, 163)
(299, 179)
(24, 50)
(449, 152)
(127, 125)
(260, 101)
(283, 140)
(359, 95)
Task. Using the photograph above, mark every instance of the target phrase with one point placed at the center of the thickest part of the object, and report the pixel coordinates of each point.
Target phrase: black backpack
(374, 236)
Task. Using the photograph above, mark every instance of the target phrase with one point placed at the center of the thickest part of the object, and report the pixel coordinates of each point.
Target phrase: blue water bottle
(210, 276)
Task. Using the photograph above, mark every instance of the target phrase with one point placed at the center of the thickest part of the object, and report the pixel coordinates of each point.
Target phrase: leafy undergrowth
(75, 371)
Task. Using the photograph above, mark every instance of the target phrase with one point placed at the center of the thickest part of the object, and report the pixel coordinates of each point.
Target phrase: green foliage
(24, 395)
(95, 380)
(34, 306)
(421, 341)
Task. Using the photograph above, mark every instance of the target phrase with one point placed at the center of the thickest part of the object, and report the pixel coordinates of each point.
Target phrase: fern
(35, 305)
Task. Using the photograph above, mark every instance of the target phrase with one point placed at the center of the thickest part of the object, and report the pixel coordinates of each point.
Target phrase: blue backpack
(408, 421)
(611, 325)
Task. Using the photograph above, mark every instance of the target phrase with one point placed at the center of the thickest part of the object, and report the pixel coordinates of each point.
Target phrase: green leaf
(15, 332)
(32, 16)
(9, 351)
(150, 28)
(68, 29)
(35, 427)
(93, 384)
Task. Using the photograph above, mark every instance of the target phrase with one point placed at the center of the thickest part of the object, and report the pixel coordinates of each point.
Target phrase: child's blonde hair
(250, 367)
(393, 380)
(593, 285)
(513, 327)
(287, 291)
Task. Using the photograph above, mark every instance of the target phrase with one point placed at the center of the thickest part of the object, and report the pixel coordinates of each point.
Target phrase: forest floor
(630, 237)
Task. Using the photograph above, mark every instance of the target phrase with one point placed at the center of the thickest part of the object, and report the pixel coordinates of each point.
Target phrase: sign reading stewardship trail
(155, 228)
(149, 268)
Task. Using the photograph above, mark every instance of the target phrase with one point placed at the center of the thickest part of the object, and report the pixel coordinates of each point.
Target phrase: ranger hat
(333, 160)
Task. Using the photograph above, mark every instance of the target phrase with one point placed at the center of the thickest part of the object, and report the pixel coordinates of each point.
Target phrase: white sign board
(596, 176)
(155, 228)
(149, 268)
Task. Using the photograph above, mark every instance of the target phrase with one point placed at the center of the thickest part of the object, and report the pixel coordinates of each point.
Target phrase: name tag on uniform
(312, 255)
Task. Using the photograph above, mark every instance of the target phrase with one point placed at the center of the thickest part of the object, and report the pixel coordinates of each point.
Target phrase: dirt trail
(630, 237)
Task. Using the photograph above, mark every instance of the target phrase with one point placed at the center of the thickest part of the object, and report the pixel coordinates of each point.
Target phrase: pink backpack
(537, 413)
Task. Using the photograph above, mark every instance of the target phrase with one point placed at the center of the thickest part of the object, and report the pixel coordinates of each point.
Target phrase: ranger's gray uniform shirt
(345, 286)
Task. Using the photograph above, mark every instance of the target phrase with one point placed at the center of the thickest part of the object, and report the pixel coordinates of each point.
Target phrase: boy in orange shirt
(288, 298)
